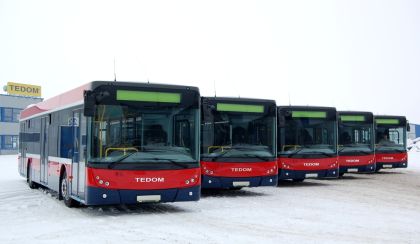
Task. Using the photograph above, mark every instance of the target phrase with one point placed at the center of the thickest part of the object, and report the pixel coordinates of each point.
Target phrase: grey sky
(354, 55)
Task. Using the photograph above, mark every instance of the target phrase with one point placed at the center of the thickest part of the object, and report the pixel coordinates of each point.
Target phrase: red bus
(307, 142)
(391, 141)
(356, 148)
(114, 143)
(238, 145)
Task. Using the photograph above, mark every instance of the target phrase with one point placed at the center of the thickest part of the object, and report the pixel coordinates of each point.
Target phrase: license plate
(353, 170)
(240, 183)
(148, 198)
(387, 166)
(311, 175)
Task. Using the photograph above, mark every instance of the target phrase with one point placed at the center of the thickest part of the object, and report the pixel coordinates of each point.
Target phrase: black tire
(298, 180)
(31, 183)
(64, 191)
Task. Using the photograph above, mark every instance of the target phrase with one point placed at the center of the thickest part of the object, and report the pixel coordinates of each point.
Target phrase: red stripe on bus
(307, 163)
(391, 157)
(239, 169)
(54, 168)
(143, 179)
(356, 160)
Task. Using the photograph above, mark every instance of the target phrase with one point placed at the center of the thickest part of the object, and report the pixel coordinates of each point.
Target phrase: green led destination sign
(352, 118)
(228, 107)
(309, 114)
(143, 96)
(388, 121)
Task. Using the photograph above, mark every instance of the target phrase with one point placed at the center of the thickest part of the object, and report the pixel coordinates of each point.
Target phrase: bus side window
(66, 142)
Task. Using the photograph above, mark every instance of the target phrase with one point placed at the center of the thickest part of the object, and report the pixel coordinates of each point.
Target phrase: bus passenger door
(44, 149)
(79, 154)
(22, 145)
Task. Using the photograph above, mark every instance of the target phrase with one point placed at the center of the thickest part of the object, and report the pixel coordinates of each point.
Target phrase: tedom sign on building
(23, 89)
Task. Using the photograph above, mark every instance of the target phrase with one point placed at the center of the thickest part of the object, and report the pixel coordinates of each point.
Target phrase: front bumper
(381, 165)
(101, 196)
(228, 182)
(358, 168)
(287, 174)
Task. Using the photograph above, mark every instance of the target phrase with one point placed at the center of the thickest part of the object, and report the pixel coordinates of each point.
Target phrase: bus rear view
(238, 143)
(391, 142)
(307, 138)
(355, 142)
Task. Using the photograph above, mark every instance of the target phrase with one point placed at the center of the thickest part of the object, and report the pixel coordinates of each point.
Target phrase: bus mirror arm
(281, 121)
(84, 153)
(89, 107)
(408, 127)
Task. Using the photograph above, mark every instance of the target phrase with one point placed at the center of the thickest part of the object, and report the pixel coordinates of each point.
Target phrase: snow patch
(365, 208)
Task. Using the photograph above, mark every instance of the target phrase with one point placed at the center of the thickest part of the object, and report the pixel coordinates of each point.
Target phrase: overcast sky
(354, 55)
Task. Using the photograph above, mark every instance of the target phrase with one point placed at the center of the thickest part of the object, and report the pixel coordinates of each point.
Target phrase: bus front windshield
(390, 138)
(238, 135)
(307, 136)
(138, 134)
(355, 138)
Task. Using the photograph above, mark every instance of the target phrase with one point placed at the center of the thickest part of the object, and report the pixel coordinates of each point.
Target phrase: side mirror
(281, 119)
(408, 127)
(89, 108)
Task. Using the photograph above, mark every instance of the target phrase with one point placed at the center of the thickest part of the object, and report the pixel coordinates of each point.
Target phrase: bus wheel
(298, 180)
(31, 184)
(64, 191)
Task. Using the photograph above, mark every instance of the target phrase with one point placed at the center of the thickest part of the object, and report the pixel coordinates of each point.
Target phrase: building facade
(10, 108)
(414, 132)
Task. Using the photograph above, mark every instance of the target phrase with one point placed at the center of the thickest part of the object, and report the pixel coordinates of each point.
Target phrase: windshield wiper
(308, 153)
(172, 161)
(323, 153)
(112, 164)
(256, 156)
(381, 149)
(165, 149)
(219, 156)
(364, 152)
(295, 152)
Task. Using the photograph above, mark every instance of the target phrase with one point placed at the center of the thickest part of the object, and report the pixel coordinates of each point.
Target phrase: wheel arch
(28, 164)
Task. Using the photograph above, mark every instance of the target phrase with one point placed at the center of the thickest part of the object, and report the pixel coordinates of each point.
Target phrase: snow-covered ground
(379, 208)
(414, 144)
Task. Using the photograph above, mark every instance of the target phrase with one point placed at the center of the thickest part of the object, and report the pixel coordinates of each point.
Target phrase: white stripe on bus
(36, 156)
(60, 160)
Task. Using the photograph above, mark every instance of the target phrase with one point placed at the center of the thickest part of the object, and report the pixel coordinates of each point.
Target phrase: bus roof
(355, 113)
(239, 99)
(389, 117)
(310, 108)
(75, 96)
